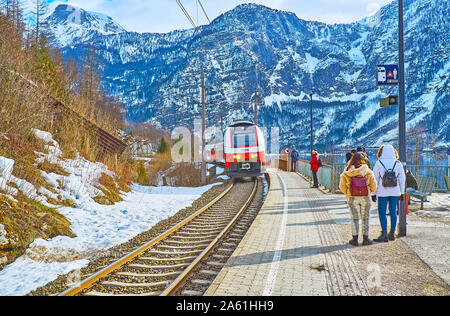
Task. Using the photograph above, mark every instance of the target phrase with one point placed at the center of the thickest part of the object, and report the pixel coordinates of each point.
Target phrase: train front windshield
(244, 136)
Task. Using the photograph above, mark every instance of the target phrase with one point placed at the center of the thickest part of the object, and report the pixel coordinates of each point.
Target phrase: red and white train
(244, 150)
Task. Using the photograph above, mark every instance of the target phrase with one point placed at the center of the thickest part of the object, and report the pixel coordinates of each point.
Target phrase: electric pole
(401, 112)
(311, 119)
(256, 106)
(203, 131)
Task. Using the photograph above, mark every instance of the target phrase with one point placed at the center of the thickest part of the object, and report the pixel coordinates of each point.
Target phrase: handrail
(329, 175)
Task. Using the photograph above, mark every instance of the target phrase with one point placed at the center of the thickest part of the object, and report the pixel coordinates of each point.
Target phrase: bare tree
(38, 12)
(90, 80)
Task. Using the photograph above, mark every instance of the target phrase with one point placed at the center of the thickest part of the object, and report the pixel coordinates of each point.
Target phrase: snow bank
(97, 227)
(6, 168)
(81, 185)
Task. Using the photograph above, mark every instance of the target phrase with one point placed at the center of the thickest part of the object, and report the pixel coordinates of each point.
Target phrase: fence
(107, 143)
(329, 175)
(435, 171)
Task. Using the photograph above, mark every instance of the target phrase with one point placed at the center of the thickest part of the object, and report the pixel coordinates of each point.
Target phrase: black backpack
(389, 177)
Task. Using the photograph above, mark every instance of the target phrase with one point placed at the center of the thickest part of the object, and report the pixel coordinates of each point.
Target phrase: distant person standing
(294, 159)
(348, 156)
(390, 177)
(314, 168)
(411, 181)
(362, 150)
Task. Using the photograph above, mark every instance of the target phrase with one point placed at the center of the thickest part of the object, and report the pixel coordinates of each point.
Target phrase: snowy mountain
(254, 47)
(70, 24)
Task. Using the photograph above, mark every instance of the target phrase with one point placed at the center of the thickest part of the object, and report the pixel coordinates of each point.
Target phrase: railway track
(186, 258)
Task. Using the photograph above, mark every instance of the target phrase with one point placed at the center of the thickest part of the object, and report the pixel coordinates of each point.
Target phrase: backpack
(358, 186)
(389, 177)
(319, 163)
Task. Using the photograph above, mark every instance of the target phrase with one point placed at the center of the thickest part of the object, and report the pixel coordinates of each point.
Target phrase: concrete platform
(293, 248)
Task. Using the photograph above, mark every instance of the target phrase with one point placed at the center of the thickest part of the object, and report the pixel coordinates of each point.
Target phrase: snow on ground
(97, 227)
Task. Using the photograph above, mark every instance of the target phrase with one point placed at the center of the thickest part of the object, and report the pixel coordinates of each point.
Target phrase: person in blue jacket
(294, 159)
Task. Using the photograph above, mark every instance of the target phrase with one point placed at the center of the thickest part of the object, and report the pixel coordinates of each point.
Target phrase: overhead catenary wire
(220, 41)
(186, 13)
(221, 93)
(226, 52)
(204, 11)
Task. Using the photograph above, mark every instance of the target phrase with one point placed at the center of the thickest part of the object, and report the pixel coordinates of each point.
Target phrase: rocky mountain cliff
(254, 47)
(69, 25)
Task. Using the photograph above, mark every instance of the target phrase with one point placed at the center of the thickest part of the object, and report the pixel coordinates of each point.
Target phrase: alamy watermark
(75, 15)
(373, 280)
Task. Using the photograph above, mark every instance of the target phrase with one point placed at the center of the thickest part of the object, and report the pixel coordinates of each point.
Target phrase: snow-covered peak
(69, 24)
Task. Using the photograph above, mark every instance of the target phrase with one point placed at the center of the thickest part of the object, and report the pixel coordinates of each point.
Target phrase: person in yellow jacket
(359, 205)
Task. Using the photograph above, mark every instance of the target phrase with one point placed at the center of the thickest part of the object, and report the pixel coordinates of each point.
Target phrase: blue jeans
(383, 202)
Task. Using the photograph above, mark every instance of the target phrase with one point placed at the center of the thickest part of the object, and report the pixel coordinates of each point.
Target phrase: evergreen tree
(142, 175)
(163, 147)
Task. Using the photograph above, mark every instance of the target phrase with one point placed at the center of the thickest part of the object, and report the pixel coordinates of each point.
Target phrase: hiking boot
(354, 241)
(367, 241)
(382, 238)
(391, 235)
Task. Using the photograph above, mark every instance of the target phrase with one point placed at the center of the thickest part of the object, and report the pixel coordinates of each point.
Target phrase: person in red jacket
(314, 168)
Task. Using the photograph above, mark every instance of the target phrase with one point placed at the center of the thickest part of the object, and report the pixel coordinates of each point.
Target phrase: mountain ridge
(69, 24)
(157, 75)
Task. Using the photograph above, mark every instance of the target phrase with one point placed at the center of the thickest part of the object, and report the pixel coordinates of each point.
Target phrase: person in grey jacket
(388, 195)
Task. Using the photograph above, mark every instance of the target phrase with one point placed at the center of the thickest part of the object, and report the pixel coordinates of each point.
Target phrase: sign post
(392, 75)
(401, 112)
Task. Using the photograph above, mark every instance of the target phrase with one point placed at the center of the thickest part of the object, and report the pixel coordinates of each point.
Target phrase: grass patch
(110, 190)
(49, 167)
(185, 174)
(27, 220)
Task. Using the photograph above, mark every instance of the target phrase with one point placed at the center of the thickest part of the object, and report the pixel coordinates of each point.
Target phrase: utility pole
(401, 112)
(311, 120)
(256, 106)
(203, 131)
(448, 163)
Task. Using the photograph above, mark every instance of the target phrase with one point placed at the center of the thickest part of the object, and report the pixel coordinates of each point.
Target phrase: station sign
(387, 75)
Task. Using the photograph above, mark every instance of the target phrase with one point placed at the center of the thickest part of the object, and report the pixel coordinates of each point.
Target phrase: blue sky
(165, 15)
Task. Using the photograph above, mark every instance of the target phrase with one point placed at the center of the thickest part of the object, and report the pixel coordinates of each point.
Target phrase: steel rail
(176, 284)
(88, 282)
